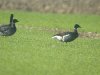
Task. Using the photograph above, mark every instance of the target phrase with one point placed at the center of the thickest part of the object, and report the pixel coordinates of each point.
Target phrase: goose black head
(15, 20)
(77, 26)
(12, 15)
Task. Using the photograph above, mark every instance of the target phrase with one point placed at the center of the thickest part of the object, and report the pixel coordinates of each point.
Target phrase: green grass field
(32, 51)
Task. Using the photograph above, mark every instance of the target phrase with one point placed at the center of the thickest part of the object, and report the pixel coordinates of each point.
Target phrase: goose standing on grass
(67, 36)
(8, 29)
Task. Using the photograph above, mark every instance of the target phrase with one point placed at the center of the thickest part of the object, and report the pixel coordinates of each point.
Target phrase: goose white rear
(57, 37)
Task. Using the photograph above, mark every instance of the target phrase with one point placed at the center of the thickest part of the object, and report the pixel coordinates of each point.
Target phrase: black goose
(8, 29)
(67, 36)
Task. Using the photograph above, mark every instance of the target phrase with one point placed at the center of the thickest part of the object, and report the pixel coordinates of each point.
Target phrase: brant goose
(8, 29)
(67, 36)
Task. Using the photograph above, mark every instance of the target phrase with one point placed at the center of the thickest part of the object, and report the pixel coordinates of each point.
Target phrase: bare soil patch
(94, 35)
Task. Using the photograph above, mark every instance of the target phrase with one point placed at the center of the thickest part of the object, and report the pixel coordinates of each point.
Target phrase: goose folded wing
(68, 36)
(4, 28)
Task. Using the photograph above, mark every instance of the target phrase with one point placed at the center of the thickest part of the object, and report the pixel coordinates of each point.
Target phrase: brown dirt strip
(93, 35)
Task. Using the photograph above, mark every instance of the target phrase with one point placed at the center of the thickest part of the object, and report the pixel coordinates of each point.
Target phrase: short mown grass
(32, 51)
